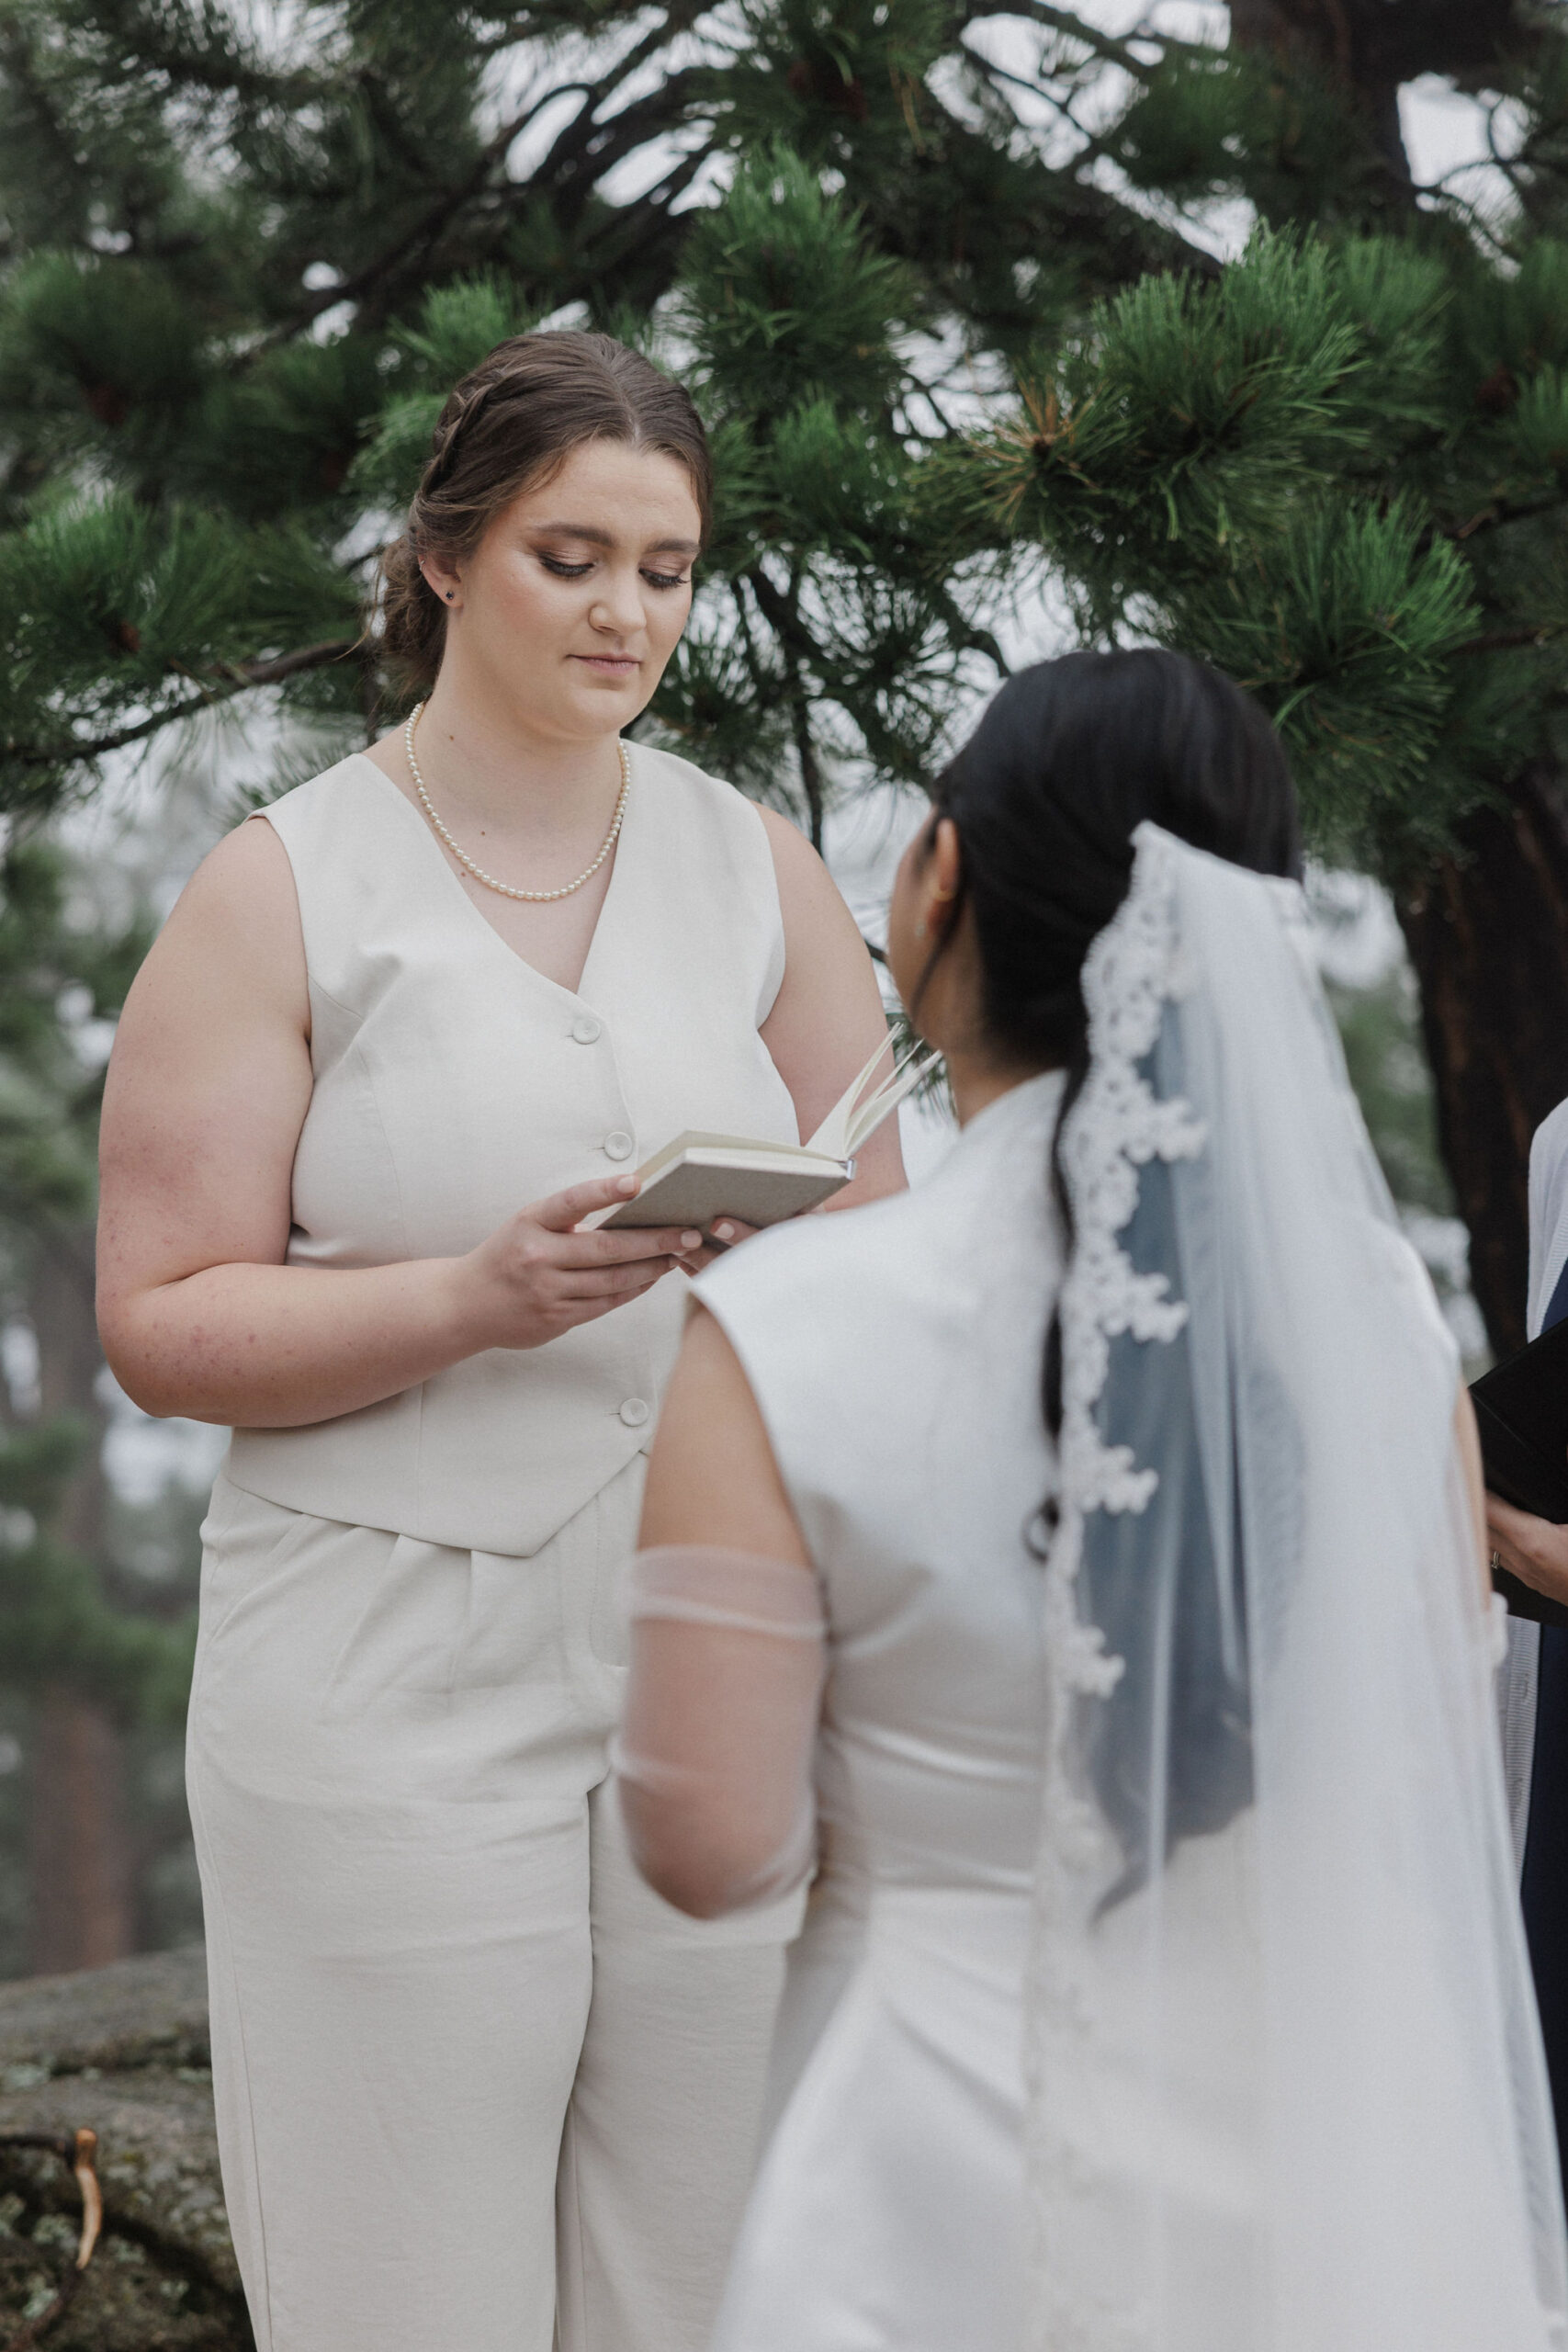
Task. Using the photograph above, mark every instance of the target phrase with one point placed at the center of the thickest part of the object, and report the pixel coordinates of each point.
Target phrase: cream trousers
(477, 2090)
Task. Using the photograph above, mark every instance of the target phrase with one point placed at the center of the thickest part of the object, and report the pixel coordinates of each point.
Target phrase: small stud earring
(450, 593)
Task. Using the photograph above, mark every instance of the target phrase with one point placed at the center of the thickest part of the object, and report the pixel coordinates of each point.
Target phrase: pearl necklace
(478, 871)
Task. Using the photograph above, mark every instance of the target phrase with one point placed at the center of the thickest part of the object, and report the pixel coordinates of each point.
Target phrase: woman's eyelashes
(563, 570)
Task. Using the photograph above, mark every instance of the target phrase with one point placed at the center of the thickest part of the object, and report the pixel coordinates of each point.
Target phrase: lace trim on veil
(1117, 1127)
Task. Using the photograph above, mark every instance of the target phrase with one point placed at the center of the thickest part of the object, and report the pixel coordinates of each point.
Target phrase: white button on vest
(586, 1030)
(618, 1145)
(635, 1411)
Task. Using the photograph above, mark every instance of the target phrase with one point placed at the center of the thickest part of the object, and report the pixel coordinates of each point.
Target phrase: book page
(846, 1128)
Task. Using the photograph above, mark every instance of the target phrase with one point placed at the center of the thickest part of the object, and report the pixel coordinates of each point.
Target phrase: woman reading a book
(1088, 1543)
(477, 2087)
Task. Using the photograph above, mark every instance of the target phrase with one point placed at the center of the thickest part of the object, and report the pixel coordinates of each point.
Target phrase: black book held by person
(1521, 1410)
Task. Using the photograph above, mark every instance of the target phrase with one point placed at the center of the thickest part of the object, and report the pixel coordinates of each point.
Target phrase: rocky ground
(124, 2050)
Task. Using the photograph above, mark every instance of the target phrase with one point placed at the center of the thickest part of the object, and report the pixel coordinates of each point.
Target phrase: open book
(700, 1177)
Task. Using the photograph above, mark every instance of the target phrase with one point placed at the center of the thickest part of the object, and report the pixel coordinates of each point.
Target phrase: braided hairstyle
(508, 426)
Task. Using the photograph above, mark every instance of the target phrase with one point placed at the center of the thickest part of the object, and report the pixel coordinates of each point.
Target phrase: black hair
(1070, 757)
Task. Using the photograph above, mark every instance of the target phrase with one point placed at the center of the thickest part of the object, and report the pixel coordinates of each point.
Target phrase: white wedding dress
(906, 1420)
(1277, 2087)
(904, 1415)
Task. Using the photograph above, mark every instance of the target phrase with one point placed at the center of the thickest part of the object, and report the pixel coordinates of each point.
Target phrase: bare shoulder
(807, 892)
(247, 867)
(793, 853)
(234, 933)
(828, 1016)
(246, 880)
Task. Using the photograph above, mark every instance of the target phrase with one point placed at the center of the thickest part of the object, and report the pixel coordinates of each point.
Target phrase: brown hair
(509, 424)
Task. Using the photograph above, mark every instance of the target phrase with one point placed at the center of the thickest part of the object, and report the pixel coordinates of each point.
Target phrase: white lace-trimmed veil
(1285, 2081)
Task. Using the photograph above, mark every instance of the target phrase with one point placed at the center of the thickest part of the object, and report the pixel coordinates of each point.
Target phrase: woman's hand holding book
(537, 1275)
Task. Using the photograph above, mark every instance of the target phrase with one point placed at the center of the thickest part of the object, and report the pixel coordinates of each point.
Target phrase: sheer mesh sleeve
(714, 1756)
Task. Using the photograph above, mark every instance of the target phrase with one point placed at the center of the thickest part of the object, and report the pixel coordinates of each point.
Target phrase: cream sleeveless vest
(455, 1085)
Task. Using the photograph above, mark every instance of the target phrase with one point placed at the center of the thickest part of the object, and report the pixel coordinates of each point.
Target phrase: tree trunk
(80, 1858)
(1488, 935)
(1364, 43)
(80, 1855)
(1368, 49)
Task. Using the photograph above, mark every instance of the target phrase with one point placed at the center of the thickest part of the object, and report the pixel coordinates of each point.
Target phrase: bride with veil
(1075, 1562)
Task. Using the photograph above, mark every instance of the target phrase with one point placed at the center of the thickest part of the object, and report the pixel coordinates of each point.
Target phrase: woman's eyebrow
(599, 538)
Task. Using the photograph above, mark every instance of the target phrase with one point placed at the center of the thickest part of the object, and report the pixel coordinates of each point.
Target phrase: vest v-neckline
(513, 955)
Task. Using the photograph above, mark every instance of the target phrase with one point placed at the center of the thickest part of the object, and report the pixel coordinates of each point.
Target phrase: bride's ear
(926, 893)
(941, 879)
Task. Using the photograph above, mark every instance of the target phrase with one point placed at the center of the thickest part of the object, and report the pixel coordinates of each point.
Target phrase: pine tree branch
(801, 651)
(678, 17)
(549, 24)
(59, 755)
(586, 141)
(632, 231)
(1036, 87)
(234, 72)
(381, 105)
(16, 54)
(279, 666)
(763, 680)
(548, 20)
(583, 140)
(418, 239)
(1505, 641)
(805, 752)
(625, 234)
(1093, 147)
(781, 616)
(235, 678)
(1068, 212)
(1099, 44)
(967, 633)
(1504, 511)
(779, 609)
